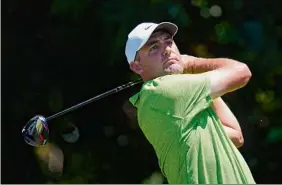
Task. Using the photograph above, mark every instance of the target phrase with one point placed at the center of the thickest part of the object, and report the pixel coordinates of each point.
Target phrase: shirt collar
(134, 99)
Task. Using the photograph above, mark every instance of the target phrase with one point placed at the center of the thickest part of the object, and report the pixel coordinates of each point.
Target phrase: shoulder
(160, 85)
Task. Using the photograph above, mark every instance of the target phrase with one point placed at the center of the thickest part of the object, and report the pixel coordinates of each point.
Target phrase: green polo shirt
(174, 112)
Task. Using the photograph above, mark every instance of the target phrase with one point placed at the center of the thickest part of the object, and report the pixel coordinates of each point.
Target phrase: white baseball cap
(140, 35)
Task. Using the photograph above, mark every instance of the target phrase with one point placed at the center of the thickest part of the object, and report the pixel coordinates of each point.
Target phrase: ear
(136, 67)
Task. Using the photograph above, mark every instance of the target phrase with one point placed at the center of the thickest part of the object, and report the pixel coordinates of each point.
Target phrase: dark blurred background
(56, 53)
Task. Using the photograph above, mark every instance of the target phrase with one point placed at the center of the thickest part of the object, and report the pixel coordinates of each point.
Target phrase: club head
(36, 131)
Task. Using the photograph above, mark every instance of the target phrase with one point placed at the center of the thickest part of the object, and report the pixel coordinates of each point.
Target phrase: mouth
(170, 61)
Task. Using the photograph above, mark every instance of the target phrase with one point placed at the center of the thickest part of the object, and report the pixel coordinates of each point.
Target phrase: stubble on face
(173, 69)
(169, 64)
(176, 65)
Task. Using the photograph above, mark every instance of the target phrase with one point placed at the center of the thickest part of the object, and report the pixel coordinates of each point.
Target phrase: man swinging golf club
(179, 109)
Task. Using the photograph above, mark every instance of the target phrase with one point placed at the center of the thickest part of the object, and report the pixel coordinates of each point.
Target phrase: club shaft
(103, 95)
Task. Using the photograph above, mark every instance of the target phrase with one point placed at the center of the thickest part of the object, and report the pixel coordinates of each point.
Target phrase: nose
(167, 50)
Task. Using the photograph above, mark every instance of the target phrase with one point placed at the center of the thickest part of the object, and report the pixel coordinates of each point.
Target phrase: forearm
(200, 65)
(235, 136)
(195, 65)
(225, 114)
(229, 121)
(226, 75)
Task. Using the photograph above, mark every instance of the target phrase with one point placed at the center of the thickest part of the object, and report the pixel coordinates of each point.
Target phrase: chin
(174, 69)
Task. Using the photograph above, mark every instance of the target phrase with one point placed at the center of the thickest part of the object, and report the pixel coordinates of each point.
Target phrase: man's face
(159, 56)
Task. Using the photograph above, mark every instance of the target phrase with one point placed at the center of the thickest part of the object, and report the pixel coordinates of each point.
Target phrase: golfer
(179, 109)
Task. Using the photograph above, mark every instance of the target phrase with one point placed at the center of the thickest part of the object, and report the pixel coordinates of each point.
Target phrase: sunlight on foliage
(199, 3)
(267, 100)
(51, 159)
(177, 11)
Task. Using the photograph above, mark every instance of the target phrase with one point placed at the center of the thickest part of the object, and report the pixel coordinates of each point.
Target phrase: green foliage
(225, 33)
(275, 134)
(69, 7)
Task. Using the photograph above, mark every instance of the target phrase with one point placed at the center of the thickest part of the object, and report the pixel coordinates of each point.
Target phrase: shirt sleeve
(178, 95)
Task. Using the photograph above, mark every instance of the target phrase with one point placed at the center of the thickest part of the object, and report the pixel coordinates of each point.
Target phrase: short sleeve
(179, 94)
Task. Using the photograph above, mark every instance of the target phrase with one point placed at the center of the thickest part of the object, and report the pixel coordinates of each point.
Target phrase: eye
(154, 47)
(169, 42)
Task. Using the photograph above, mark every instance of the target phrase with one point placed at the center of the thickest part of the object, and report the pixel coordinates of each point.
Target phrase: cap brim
(167, 26)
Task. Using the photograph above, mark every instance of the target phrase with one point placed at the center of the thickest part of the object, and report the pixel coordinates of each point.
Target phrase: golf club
(36, 131)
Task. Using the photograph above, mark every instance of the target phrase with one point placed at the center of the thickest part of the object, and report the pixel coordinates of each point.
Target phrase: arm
(223, 80)
(226, 75)
(229, 121)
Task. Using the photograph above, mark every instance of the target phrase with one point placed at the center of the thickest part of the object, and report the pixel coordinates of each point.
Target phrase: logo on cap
(148, 27)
